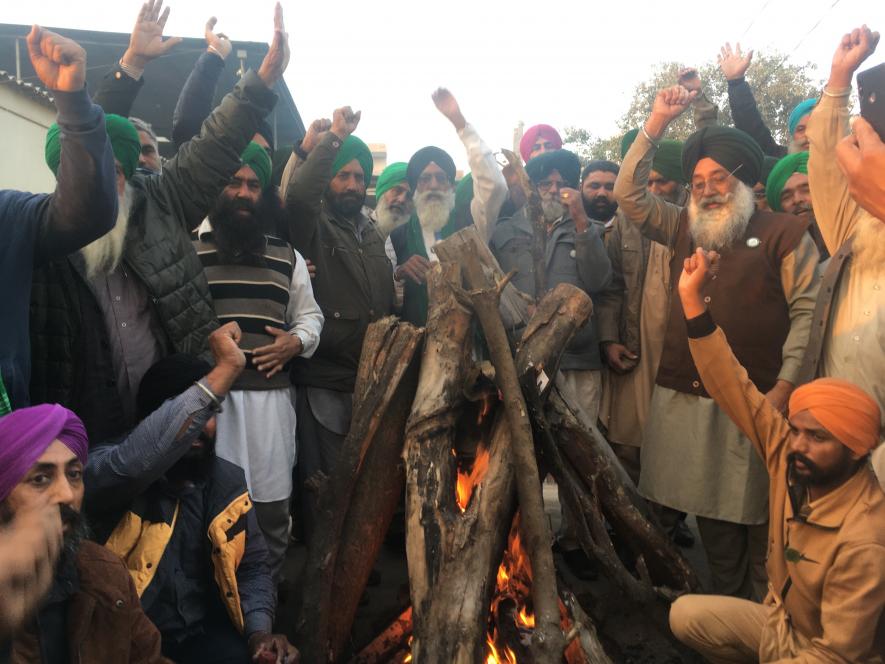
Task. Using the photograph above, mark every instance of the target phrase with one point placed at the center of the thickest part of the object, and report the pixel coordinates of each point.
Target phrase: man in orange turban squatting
(826, 555)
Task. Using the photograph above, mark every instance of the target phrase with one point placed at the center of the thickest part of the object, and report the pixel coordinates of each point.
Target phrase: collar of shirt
(830, 510)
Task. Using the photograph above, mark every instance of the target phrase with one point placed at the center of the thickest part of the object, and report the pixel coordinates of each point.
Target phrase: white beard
(387, 218)
(551, 207)
(869, 245)
(103, 255)
(721, 227)
(433, 209)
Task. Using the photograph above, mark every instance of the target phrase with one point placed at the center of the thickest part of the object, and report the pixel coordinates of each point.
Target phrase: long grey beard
(433, 209)
(103, 255)
(389, 219)
(722, 227)
(552, 209)
(869, 245)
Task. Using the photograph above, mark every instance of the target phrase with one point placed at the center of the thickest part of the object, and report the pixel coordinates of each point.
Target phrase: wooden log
(453, 555)
(388, 352)
(388, 643)
(584, 644)
(548, 643)
(594, 463)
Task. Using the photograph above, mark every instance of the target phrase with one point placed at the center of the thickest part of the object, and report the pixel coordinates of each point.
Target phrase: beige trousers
(724, 630)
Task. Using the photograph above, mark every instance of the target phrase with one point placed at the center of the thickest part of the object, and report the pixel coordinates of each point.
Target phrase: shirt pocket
(342, 327)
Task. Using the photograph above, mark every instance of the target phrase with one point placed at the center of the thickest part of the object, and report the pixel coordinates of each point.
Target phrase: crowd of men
(181, 340)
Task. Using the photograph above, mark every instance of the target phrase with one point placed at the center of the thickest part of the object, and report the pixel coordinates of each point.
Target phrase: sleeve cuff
(75, 109)
(257, 621)
(700, 326)
(734, 82)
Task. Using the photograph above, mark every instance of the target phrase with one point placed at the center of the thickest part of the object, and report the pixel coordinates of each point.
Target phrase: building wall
(23, 125)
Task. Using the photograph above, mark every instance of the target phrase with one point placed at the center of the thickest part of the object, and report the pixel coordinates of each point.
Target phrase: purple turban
(26, 433)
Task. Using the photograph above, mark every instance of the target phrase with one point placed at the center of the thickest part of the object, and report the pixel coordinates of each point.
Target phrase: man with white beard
(848, 334)
(694, 459)
(431, 176)
(393, 199)
(101, 317)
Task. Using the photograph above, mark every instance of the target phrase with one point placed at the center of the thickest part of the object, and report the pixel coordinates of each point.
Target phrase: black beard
(77, 531)
(599, 208)
(237, 235)
(345, 205)
(815, 475)
(195, 464)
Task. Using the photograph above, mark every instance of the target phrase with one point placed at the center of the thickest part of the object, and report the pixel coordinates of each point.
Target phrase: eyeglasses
(439, 178)
(547, 185)
(717, 182)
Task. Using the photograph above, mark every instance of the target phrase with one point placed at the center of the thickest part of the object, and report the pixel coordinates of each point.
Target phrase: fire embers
(511, 618)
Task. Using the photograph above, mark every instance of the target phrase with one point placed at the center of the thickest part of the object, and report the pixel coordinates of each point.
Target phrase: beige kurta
(854, 347)
(626, 398)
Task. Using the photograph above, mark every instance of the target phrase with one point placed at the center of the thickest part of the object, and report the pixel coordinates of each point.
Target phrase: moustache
(721, 199)
(811, 467)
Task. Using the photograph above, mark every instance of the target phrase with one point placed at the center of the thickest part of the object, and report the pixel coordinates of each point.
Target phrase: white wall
(23, 125)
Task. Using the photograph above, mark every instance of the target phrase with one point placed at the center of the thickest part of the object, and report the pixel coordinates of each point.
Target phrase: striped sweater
(253, 295)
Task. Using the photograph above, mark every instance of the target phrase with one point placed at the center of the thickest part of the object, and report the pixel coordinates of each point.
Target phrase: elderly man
(101, 317)
(538, 139)
(324, 189)
(431, 176)
(39, 227)
(174, 508)
(257, 281)
(849, 321)
(787, 190)
(91, 613)
(393, 198)
(826, 598)
(734, 64)
(772, 267)
(665, 179)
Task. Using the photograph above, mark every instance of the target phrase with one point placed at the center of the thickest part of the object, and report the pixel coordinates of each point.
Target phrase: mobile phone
(871, 88)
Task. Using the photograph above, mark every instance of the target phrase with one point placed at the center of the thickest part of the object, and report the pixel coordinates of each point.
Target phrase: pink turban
(843, 409)
(26, 433)
(531, 136)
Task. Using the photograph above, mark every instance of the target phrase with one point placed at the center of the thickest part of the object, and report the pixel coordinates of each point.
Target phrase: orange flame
(466, 483)
(494, 657)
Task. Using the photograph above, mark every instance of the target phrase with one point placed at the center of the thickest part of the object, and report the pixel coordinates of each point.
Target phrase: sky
(565, 64)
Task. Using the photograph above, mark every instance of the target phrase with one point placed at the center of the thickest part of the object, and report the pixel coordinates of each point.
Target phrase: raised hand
(689, 79)
(734, 64)
(277, 58)
(698, 270)
(314, 132)
(854, 47)
(146, 42)
(60, 62)
(447, 104)
(669, 104)
(572, 200)
(217, 42)
(345, 121)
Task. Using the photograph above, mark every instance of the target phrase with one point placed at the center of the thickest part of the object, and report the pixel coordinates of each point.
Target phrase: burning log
(362, 493)
(454, 549)
(390, 643)
(547, 641)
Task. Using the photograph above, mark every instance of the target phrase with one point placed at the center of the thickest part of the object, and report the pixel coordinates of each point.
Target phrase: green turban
(256, 158)
(353, 148)
(783, 169)
(389, 178)
(731, 148)
(627, 141)
(464, 192)
(124, 143)
(667, 160)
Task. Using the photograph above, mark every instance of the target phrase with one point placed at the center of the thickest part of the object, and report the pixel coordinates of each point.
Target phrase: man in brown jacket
(826, 598)
(91, 614)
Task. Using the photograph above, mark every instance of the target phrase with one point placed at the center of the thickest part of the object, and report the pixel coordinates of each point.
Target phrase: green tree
(778, 86)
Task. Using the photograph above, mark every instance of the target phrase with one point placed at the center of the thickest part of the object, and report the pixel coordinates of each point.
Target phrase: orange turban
(845, 410)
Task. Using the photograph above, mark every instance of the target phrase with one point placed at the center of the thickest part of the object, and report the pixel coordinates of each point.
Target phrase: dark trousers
(220, 643)
(318, 452)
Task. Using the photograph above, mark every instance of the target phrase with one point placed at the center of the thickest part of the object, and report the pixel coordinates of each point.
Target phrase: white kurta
(256, 429)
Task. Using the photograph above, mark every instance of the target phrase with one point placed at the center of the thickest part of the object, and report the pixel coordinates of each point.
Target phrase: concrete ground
(630, 636)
